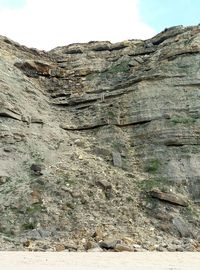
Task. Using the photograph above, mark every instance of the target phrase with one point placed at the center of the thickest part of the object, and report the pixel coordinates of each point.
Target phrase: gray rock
(160, 248)
(117, 160)
(37, 169)
(169, 197)
(123, 247)
(180, 249)
(171, 248)
(33, 235)
(104, 184)
(3, 179)
(109, 243)
(189, 248)
(176, 242)
(44, 233)
(182, 227)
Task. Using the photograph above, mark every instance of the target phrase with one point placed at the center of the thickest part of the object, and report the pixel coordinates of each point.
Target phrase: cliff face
(101, 140)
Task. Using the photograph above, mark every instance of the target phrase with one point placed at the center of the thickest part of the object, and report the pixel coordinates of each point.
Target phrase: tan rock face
(106, 123)
(169, 197)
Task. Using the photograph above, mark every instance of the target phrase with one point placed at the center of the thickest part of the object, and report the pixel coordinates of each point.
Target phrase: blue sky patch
(160, 14)
(12, 4)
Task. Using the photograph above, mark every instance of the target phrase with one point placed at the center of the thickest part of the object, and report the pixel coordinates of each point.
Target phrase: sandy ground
(94, 261)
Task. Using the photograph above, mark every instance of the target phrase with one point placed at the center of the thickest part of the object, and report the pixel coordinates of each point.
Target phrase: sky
(45, 24)
(160, 14)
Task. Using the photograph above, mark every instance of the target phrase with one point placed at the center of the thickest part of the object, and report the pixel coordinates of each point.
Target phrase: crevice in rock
(187, 85)
(118, 48)
(103, 125)
(142, 122)
(9, 114)
(101, 49)
(180, 144)
(66, 103)
(172, 57)
(97, 93)
(82, 128)
(60, 95)
(144, 78)
(147, 52)
(176, 144)
(75, 51)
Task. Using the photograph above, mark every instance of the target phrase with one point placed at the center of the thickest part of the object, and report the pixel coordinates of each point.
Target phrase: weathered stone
(3, 179)
(91, 245)
(79, 142)
(161, 249)
(71, 246)
(98, 234)
(176, 242)
(44, 233)
(182, 227)
(117, 160)
(180, 249)
(7, 110)
(166, 227)
(37, 169)
(169, 197)
(171, 248)
(194, 189)
(109, 243)
(34, 68)
(123, 247)
(59, 247)
(104, 184)
(33, 234)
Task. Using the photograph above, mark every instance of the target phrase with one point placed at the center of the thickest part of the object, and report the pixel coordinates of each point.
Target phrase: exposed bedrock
(101, 139)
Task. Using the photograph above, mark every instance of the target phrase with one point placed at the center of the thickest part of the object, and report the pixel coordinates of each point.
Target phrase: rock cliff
(101, 140)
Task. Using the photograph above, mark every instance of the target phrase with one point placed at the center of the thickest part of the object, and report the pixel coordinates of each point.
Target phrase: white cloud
(45, 24)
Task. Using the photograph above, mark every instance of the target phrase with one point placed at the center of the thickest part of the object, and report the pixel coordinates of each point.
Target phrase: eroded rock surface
(87, 131)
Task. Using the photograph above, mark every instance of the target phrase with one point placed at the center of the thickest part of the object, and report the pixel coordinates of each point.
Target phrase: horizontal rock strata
(101, 140)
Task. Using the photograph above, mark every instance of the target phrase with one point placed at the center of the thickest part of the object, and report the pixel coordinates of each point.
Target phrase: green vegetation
(111, 114)
(148, 184)
(189, 212)
(120, 67)
(7, 232)
(64, 178)
(29, 226)
(129, 199)
(153, 166)
(182, 120)
(111, 118)
(118, 145)
(70, 181)
(34, 208)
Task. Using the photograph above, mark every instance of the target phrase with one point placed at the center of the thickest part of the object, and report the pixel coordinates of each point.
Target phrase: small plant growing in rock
(153, 166)
(190, 212)
(29, 226)
(119, 67)
(34, 208)
(182, 120)
(129, 199)
(148, 184)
